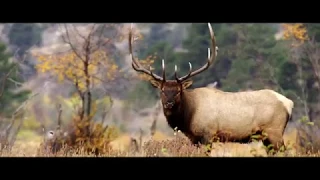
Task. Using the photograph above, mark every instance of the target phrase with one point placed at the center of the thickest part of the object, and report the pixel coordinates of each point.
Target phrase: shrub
(84, 135)
(178, 147)
(308, 136)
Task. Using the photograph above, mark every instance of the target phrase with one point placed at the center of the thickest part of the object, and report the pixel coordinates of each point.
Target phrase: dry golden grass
(177, 146)
(159, 136)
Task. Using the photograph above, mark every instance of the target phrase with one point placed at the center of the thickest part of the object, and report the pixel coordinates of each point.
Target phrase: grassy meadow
(159, 145)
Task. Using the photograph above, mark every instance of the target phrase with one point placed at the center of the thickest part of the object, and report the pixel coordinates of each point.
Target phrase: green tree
(257, 58)
(158, 33)
(196, 46)
(163, 50)
(177, 34)
(24, 36)
(314, 30)
(301, 83)
(8, 76)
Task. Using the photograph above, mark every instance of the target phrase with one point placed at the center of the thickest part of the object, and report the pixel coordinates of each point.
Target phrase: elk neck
(176, 115)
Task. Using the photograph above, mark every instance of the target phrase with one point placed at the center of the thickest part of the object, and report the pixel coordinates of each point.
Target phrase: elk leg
(198, 142)
(207, 141)
(276, 140)
(194, 139)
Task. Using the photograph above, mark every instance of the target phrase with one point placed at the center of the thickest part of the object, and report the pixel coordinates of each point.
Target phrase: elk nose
(169, 105)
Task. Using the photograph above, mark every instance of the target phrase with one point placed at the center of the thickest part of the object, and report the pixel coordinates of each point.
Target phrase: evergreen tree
(158, 33)
(9, 97)
(258, 56)
(197, 45)
(24, 36)
(163, 50)
(314, 30)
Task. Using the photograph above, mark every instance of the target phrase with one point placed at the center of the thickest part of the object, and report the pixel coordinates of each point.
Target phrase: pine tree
(24, 36)
(197, 45)
(8, 97)
(257, 58)
(314, 30)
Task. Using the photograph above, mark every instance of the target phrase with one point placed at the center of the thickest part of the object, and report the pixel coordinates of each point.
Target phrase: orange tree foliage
(296, 32)
(70, 67)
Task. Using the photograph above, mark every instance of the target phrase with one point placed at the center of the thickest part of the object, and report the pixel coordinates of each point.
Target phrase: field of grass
(175, 147)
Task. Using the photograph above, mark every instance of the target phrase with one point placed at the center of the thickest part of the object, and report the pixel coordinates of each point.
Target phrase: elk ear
(187, 84)
(155, 83)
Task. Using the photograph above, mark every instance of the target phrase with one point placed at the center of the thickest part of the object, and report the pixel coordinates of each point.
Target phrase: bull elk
(204, 114)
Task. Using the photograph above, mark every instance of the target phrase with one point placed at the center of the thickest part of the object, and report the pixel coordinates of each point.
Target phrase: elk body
(204, 114)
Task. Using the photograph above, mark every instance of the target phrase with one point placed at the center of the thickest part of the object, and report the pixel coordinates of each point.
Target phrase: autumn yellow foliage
(146, 63)
(296, 32)
(73, 68)
(98, 138)
(89, 135)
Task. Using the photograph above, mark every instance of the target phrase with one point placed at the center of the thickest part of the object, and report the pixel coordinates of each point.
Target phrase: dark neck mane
(177, 117)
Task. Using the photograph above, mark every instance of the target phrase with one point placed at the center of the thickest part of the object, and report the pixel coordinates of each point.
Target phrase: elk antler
(137, 66)
(204, 67)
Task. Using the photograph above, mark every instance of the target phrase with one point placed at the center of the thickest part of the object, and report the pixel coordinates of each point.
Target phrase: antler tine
(176, 74)
(136, 64)
(210, 60)
(163, 71)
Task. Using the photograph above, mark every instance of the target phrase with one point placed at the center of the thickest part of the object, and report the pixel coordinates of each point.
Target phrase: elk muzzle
(168, 104)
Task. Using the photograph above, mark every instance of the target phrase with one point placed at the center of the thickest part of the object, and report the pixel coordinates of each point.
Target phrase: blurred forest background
(44, 72)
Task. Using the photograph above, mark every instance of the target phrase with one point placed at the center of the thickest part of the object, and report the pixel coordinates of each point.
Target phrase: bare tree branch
(296, 59)
(313, 54)
(140, 139)
(68, 41)
(102, 41)
(92, 30)
(106, 110)
(15, 82)
(59, 117)
(75, 29)
(100, 37)
(5, 135)
(13, 140)
(156, 113)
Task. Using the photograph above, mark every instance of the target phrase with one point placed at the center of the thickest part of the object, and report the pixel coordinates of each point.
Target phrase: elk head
(171, 90)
